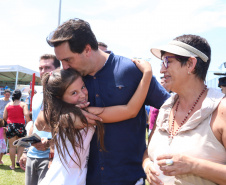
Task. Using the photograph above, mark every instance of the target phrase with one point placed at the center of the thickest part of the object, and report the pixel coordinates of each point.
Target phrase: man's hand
(43, 145)
(22, 161)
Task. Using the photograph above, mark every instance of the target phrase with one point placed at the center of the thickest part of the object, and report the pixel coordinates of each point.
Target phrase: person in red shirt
(14, 114)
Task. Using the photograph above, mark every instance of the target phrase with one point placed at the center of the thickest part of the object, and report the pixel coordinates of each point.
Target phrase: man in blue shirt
(110, 80)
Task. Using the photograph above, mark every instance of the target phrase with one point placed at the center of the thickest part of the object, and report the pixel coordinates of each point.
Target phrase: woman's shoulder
(10, 103)
(220, 117)
(222, 107)
(22, 104)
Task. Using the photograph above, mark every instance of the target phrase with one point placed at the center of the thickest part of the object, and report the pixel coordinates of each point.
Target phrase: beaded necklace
(171, 133)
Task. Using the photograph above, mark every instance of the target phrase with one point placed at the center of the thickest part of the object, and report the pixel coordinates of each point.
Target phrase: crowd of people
(92, 120)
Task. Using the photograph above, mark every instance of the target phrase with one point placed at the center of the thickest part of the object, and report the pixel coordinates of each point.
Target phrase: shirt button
(102, 168)
(94, 77)
(100, 150)
(97, 95)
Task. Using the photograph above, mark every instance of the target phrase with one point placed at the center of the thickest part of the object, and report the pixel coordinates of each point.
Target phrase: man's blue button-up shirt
(124, 141)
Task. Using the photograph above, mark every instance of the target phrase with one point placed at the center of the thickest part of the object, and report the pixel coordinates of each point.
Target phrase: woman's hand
(151, 173)
(181, 164)
(143, 66)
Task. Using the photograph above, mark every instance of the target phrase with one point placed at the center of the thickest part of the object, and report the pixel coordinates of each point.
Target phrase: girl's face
(76, 93)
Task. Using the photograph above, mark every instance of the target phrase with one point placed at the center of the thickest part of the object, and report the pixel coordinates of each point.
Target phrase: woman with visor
(188, 145)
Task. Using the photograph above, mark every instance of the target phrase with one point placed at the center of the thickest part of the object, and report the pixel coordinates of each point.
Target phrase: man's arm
(23, 161)
(157, 94)
(5, 113)
(31, 129)
(41, 124)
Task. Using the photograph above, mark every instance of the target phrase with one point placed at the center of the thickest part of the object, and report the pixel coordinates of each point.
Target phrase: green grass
(14, 177)
(17, 176)
(8, 176)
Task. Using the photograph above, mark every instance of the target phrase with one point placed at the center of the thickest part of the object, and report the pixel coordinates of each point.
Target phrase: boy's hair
(56, 62)
(60, 115)
(7, 91)
(102, 44)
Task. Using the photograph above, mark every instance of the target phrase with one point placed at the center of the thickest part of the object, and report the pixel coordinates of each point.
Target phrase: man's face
(223, 89)
(163, 83)
(46, 65)
(7, 95)
(72, 60)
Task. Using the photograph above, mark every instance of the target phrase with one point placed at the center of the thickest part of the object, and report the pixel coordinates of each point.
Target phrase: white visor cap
(179, 48)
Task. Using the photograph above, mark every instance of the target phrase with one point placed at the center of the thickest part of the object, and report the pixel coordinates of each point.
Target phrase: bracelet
(51, 155)
(146, 164)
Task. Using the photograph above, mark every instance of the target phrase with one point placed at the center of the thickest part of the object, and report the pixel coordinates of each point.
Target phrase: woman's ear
(191, 63)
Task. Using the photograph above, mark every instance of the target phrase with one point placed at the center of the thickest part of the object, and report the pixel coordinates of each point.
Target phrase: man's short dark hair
(102, 44)
(56, 62)
(7, 91)
(76, 32)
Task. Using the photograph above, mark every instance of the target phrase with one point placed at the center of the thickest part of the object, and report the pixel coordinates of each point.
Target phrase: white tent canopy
(17, 74)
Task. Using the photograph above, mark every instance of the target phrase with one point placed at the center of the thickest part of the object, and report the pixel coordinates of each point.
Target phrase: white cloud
(130, 28)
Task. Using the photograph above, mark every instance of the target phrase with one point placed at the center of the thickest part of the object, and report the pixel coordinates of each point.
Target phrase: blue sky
(129, 27)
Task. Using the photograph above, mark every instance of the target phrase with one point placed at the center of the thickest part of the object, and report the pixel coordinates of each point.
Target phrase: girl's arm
(26, 112)
(124, 112)
(4, 133)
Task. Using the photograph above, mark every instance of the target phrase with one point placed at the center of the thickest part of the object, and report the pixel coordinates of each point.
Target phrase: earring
(189, 73)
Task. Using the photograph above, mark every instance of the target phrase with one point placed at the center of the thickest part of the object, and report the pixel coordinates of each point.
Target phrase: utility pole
(59, 13)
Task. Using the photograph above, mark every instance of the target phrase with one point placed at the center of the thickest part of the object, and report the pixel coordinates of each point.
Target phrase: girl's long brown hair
(58, 114)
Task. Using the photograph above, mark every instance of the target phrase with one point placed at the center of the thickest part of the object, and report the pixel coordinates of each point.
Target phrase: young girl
(62, 90)
(2, 140)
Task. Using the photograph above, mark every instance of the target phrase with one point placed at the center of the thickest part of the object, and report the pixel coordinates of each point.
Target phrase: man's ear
(191, 63)
(87, 50)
